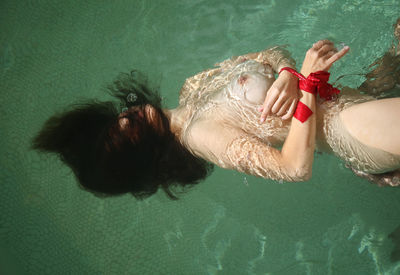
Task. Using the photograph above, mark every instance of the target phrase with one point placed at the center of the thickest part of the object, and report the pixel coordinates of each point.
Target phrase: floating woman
(235, 116)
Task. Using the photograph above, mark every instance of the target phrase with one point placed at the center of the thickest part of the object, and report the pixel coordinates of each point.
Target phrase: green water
(54, 53)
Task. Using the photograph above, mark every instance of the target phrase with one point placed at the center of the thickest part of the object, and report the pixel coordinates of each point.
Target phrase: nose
(150, 111)
(123, 122)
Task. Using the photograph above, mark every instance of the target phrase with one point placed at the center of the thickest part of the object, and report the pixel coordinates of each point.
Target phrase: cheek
(155, 121)
(159, 125)
(123, 122)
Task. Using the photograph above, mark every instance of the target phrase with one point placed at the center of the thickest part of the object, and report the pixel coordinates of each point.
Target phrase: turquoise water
(54, 53)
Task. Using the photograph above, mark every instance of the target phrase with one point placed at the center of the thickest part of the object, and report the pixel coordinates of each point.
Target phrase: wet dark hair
(110, 160)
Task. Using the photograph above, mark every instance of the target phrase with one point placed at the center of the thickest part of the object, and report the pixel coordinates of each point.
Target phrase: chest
(232, 98)
(250, 87)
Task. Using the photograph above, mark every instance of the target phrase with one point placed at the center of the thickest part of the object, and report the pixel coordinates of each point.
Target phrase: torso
(226, 100)
(231, 97)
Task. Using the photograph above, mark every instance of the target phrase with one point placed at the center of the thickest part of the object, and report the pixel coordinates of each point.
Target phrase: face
(151, 114)
(148, 112)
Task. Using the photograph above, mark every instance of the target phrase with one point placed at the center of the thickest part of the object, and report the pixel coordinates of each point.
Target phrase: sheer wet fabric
(231, 93)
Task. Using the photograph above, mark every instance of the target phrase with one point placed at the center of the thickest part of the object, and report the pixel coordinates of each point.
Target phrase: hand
(321, 56)
(281, 98)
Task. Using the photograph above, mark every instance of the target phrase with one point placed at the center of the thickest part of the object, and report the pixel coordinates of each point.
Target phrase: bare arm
(231, 148)
(195, 82)
(249, 154)
(298, 149)
(277, 57)
(283, 95)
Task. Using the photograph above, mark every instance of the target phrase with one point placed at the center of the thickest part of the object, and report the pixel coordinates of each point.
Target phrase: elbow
(301, 174)
(306, 176)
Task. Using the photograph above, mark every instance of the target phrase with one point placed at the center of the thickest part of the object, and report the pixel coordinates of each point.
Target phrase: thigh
(375, 123)
(385, 179)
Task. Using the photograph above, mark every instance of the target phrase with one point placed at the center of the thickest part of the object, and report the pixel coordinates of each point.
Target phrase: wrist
(288, 75)
(281, 66)
(305, 73)
(307, 94)
(307, 98)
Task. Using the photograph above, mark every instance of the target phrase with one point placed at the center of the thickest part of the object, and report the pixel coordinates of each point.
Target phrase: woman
(218, 120)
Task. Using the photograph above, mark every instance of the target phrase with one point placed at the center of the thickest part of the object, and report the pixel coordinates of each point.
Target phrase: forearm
(294, 161)
(298, 149)
(250, 155)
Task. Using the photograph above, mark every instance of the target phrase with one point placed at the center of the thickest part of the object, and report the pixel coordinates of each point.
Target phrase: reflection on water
(57, 52)
(395, 236)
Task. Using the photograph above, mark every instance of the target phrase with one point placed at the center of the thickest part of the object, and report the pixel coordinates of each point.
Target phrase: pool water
(55, 53)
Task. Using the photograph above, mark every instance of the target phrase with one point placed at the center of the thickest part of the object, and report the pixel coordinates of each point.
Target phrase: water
(54, 53)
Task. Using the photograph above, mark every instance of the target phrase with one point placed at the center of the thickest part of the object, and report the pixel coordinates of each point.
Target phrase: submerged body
(237, 116)
(222, 123)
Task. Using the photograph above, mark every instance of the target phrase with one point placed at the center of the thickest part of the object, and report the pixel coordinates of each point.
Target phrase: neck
(177, 118)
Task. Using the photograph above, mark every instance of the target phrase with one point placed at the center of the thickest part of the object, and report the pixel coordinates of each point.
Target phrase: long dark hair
(109, 160)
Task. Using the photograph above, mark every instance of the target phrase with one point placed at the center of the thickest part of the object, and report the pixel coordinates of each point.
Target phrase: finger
(317, 45)
(284, 108)
(272, 95)
(265, 112)
(278, 104)
(325, 49)
(331, 53)
(291, 110)
(338, 55)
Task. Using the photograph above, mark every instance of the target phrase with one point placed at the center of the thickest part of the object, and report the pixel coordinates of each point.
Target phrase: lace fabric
(213, 96)
(248, 154)
(356, 154)
(213, 89)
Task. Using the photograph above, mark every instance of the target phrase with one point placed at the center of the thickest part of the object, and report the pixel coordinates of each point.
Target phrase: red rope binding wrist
(302, 112)
(315, 83)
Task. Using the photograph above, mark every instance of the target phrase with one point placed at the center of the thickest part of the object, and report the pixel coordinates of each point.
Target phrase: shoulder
(210, 139)
(194, 83)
